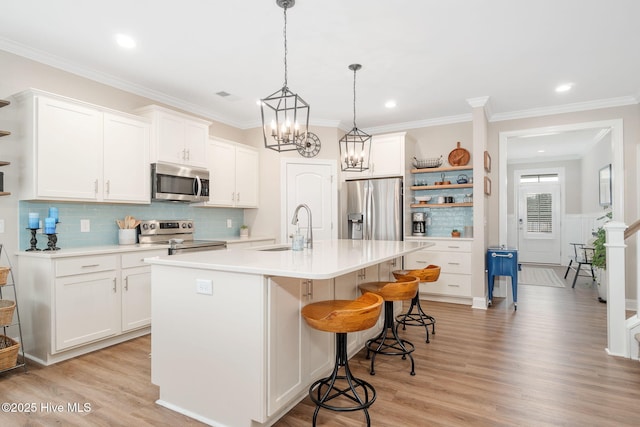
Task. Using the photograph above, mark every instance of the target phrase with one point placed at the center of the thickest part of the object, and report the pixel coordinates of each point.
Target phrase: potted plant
(244, 230)
(599, 260)
(455, 233)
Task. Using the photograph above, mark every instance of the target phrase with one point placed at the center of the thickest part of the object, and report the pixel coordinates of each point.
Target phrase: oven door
(179, 183)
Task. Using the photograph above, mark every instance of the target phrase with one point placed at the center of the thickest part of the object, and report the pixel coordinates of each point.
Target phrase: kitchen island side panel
(208, 352)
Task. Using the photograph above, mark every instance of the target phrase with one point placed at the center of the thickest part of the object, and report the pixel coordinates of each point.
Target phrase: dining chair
(582, 255)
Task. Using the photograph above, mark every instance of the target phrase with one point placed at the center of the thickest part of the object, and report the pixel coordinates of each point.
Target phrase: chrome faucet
(294, 221)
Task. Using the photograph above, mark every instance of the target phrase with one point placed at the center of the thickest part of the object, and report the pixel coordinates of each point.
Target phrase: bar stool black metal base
(325, 389)
(420, 318)
(389, 345)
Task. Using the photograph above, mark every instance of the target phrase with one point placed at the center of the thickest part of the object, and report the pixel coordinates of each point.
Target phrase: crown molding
(397, 127)
(107, 79)
(566, 108)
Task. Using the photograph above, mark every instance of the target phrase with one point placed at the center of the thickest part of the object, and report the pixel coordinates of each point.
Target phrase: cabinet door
(387, 155)
(297, 353)
(170, 138)
(285, 342)
(318, 346)
(136, 298)
(196, 137)
(222, 172)
(69, 150)
(86, 309)
(246, 177)
(126, 160)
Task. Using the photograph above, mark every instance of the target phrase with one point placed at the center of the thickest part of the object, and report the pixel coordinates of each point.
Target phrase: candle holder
(33, 240)
(51, 244)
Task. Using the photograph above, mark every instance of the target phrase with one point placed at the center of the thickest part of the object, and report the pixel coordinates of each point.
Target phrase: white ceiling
(429, 56)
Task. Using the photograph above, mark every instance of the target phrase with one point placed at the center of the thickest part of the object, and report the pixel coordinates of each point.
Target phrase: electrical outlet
(85, 226)
(229, 223)
(204, 286)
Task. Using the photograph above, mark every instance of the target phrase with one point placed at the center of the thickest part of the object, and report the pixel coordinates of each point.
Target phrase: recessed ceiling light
(540, 151)
(390, 104)
(565, 87)
(125, 41)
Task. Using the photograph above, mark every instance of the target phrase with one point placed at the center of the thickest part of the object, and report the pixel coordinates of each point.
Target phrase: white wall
(598, 157)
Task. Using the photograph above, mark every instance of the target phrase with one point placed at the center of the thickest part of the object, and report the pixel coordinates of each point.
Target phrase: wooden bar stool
(430, 273)
(405, 288)
(341, 317)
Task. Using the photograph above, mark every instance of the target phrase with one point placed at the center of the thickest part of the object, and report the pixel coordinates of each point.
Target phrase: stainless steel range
(176, 233)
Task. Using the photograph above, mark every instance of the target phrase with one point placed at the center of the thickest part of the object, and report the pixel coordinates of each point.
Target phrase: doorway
(313, 183)
(507, 226)
(539, 212)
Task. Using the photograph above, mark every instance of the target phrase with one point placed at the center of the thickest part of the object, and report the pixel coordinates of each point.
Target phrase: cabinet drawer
(136, 259)
(448, 284)
(449, 262)
(83, 265)
(449, 246)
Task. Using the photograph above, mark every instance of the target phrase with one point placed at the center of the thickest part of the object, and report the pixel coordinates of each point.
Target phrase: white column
(617, 344)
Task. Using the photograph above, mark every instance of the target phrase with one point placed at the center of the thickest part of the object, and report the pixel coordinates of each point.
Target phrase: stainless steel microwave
(179, 183)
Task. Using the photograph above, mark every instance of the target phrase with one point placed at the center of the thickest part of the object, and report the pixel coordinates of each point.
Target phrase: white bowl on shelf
(422, 199)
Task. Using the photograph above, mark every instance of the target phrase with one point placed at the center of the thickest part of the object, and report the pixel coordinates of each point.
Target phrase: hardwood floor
(544, 365)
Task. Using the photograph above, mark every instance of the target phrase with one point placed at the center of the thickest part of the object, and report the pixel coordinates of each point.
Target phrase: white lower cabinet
(297, 352)
(86, 309)
(252, 243)
(136, 289)
(454, 258)
(77, 304)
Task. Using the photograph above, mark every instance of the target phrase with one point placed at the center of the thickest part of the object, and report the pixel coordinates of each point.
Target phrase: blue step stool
(503, 262)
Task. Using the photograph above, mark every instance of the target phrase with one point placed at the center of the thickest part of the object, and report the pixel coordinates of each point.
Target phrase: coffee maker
(419, 227)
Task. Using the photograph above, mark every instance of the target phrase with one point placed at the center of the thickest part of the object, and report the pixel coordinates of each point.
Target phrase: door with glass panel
(539, 234)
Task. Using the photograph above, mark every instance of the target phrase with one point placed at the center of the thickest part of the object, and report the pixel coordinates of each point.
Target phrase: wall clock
(309, 147)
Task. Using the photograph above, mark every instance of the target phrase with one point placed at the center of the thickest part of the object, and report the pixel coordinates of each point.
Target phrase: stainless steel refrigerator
(374, 209)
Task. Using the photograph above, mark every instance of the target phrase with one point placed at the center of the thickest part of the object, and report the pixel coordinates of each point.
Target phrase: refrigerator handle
(369, 211)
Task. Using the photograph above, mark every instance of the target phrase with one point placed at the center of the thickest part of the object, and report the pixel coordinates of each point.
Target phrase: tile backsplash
(210, 223)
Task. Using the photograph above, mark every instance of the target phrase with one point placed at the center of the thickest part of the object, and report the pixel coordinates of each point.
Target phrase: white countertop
(91, 250)
(327, 259)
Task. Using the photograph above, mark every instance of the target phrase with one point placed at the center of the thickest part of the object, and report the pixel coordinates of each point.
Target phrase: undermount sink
(276, 249)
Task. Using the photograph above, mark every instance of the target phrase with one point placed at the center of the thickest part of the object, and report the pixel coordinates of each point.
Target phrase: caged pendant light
(285, 115)
(355, 146)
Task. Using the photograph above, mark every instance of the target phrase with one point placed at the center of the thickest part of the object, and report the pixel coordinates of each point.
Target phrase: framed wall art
(487, 161)
(604, 185)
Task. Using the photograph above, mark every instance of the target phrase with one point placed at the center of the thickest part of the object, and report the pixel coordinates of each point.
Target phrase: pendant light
(285, 115)
(355, 146)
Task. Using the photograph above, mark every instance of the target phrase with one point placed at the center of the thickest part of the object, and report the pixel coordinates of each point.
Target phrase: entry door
(539, 223)
(312, 183)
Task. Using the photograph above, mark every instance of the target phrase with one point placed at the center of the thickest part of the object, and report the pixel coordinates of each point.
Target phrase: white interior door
(313, 183)
(539, 237)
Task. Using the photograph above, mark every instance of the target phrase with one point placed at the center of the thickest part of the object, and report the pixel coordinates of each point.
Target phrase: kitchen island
(229, 346)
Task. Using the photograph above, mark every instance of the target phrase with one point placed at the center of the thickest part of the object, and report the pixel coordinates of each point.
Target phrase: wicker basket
(8, 352)
(430, 273)
(6, 311)
(4, 273)
(428, 163)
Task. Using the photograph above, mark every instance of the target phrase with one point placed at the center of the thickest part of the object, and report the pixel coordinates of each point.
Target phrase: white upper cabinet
(76, 151)
(233, 174)
(177, 138)
(387, 157)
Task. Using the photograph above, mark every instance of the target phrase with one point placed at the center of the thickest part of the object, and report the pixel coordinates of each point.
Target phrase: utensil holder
(127, 236)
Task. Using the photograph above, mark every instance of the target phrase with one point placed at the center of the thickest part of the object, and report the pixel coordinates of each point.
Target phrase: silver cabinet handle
(454, 286)
(453, 263)
(310, 282)
(108, 186)
(126, 283)
(238, 197)
(114, 285)
(453, 247)
(95, 186)
(90, 265)
(422, 262)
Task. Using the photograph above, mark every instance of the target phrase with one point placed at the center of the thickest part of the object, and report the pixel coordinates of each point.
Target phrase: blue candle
(53, 213)
(34, 220)
(49, 226)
